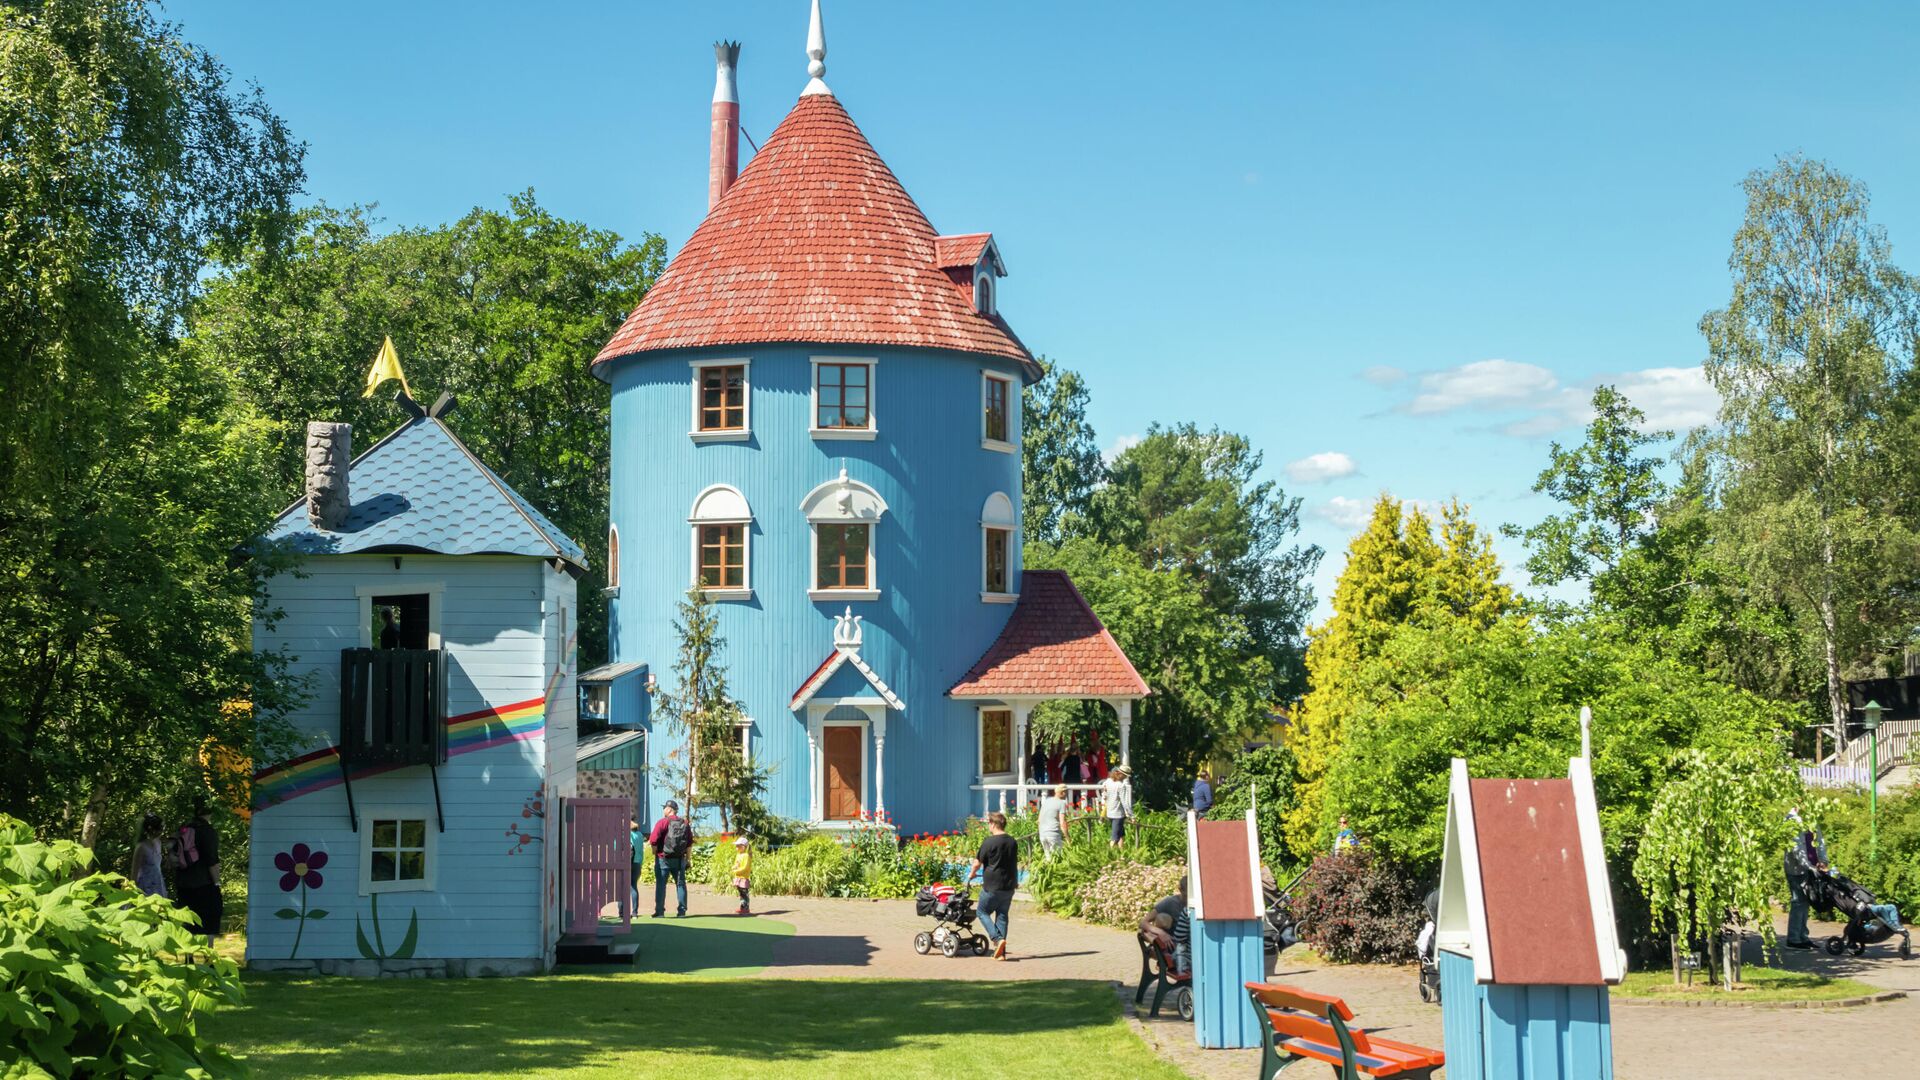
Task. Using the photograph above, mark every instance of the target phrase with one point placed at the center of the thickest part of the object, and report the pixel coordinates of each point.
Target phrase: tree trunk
(96, 815)
(1836, 687)
(1673, 949)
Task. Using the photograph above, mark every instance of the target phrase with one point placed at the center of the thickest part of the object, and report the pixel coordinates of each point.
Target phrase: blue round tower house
(816, 419)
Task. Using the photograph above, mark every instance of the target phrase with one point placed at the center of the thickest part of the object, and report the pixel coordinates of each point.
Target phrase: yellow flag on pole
(386, 366)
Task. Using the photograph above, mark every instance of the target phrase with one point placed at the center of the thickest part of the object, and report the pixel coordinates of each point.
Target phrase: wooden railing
(1012, 799)
(1893, 737)
(393, 707)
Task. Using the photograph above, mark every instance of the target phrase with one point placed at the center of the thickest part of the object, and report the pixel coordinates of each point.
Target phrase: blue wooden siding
(499, 625)
(1523, 1032)
(1227, 955)
(929, 624)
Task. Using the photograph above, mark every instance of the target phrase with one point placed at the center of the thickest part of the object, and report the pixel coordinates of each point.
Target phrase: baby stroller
(1835, 891)
(1429, 951)
(952, 912)
(1279, 928)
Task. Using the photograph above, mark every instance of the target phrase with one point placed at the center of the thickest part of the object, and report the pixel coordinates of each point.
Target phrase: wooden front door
(843, 772)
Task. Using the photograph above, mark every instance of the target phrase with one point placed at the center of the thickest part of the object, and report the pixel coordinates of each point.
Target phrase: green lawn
(628, 1024)
(1756, 984)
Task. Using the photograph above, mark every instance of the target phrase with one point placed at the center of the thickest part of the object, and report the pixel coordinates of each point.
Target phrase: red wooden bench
(1157, 971)
(1300, 1024)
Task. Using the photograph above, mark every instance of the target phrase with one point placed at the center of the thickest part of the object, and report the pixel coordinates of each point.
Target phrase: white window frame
(814, 589)
(398, 812)
(366, 593)
(695, 522)
(745, 431)
(843, 501)
(1007, 445)
(613, 562)
(994, 517)
(980, 744)
(865, 434)
(983, 289)
(744, 729)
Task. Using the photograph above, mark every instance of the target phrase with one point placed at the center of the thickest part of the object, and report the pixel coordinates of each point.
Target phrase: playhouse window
(997, 560)
(843, 557)
(996, 425)
(983, 293)
(721, 406)
(843, 396)
(997, 523)
(396, 850)
(996, 741)
(723, 556)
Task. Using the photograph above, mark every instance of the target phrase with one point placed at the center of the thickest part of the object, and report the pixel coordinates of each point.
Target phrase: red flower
(300, 866)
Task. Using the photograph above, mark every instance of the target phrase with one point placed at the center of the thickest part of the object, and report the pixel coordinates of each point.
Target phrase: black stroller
(1834, 891)
(952, 912)
(1279, 928)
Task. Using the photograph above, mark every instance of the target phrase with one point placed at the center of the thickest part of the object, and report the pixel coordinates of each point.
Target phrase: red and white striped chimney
(723, 151)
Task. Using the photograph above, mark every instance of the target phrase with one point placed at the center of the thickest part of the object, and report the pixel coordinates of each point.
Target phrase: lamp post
(1872, 722)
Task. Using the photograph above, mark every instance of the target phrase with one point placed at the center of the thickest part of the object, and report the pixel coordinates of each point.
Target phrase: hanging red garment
(1099, 763)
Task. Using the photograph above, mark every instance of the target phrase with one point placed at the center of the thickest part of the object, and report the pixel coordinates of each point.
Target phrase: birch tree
(1810, 356)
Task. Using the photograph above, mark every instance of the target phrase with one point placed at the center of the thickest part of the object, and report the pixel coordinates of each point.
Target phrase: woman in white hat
(1117, 792)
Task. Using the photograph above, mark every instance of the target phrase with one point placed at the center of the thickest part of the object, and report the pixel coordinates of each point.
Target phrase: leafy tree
(128, 473)
(1710, 852)
(1610, 488)
(1262, 781)
(97, 979)
(1396, 573)
(503, 308)
(1186, 499)
(1208, 681)
(707, 767)
(1060, 459)
(1811, 356)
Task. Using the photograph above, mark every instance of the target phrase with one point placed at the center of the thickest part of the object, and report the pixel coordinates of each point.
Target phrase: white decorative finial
(844, 497)
(1586, 741)
(846, 630)
(816, 56)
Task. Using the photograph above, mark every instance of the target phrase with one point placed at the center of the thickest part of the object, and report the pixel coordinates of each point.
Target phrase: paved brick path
(874, 939)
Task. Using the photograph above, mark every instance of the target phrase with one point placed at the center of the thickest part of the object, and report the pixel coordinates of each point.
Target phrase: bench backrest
(1293, 1013)
(1275, 996)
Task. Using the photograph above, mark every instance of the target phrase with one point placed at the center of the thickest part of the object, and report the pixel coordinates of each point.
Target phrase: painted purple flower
(301, 866)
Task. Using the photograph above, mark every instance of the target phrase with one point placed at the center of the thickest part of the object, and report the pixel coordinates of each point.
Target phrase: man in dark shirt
(199, 881)
(1180, 927)
(998, 864)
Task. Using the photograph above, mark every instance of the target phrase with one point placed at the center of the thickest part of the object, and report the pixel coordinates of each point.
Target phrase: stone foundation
(481, 968)
(609, 784)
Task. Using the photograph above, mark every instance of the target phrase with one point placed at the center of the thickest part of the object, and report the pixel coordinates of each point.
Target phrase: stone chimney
(723, 148)
(329, 452)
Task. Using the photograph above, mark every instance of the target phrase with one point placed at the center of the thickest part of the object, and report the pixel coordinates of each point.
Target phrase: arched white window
(983, 291)
(997, 528)
(843, 513)
(613, 557)
(722, 538)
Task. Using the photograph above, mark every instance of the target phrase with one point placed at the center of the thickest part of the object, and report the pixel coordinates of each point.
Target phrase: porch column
(1124, 707)
(814, 812)
(1020, 714)
(877, 715)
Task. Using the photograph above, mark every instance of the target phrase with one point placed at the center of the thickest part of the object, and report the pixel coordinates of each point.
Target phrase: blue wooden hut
(432, 623)
(1526, 933)
(816, 421)
(1226, 905)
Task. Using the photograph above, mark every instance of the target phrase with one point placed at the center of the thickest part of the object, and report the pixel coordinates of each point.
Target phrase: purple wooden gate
(599, 855)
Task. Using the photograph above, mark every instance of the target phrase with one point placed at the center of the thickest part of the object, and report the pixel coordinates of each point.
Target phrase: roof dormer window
(983, 289)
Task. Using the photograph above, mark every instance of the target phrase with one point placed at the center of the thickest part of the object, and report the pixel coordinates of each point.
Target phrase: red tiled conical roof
(816, 242)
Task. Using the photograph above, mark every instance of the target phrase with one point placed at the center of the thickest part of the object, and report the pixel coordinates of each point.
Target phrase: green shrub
(1125, 891)
(1894, 876)
(97, 979)
(1056, 883)
(1270, 772)
(816, 866)
(1359, 908)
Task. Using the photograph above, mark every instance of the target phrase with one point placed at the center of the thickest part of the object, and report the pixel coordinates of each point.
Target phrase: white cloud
(1538, 404)
(1320, 468)
(1482, 384)
(1674, 398)
(1383, 375)
(1120, 446)
(1349, 514)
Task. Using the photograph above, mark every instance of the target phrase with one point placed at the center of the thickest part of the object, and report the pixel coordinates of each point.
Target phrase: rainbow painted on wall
(465, 734)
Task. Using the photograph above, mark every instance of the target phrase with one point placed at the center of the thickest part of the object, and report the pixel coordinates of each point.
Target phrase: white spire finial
(1586, 738)
(846, 631)
(816, 55)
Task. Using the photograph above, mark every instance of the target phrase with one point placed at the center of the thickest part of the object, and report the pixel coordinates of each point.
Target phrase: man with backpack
(672, 840)
(197, 855)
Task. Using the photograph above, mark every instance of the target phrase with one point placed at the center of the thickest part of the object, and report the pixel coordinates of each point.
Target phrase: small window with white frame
(722, 401)
(722, 526)
(613, 560)
(983, 290)
(996, 742)
(996, 412)
(843, 514)
(997, 525)
(397, 849)
(743, 735)
(843, 398)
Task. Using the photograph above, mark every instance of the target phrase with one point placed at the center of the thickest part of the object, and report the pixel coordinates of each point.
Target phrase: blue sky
(1393, 243)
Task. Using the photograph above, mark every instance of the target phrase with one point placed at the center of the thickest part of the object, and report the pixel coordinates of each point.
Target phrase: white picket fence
(1834, 776)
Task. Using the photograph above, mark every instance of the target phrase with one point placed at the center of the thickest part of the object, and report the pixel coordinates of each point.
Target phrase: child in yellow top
(742, 872)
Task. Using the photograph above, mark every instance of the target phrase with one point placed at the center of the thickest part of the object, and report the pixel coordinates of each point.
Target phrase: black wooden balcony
(393, 707)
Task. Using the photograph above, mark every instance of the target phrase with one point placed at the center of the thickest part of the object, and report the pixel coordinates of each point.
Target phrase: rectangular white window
(996, 742)
(997, 401)
(397, 849)
(998, 540)
(842, 398)
(722, 401)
